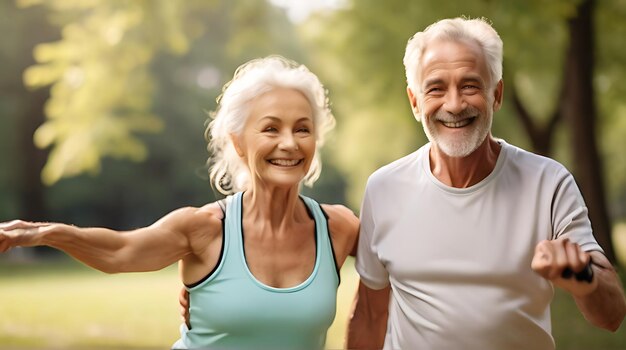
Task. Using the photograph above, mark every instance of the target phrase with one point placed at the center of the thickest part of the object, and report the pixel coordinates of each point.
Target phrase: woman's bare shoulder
(212, 210)
(342, 219)
(209, 215)
(344, 229)
(204, 220)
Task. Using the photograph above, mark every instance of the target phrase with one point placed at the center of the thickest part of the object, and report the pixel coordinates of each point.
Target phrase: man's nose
(454, 102)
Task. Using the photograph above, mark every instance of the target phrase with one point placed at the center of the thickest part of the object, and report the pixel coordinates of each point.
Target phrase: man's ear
(413, 101)
(236, 143)
(498, 94)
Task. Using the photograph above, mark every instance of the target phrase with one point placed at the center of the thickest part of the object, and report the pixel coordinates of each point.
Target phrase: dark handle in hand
(585, 275)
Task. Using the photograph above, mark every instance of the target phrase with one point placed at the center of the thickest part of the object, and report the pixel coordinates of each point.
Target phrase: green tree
(101, 87)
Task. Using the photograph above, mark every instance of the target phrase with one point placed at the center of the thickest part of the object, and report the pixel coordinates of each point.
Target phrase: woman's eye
(270, 129)
(303, 130)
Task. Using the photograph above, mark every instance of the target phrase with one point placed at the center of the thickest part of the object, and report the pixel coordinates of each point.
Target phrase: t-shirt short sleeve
(371, 270)
(570, 216)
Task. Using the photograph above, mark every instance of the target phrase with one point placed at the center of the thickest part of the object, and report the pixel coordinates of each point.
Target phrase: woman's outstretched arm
(145, 249)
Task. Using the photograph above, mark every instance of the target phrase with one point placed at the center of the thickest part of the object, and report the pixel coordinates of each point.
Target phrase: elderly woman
(261, 266)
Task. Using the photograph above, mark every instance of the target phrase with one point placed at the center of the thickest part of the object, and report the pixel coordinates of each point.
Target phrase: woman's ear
(237, 144)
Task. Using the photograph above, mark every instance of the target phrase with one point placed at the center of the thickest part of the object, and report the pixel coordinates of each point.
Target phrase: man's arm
(601, 299)
(368, 323)
(605, 307)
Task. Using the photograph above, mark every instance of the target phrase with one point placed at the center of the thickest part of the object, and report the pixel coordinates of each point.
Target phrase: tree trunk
(30, 115)
(31, 160)
(580, 111)
(540, 136)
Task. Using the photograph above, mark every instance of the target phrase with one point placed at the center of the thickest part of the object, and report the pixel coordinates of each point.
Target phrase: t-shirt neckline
(484, 182)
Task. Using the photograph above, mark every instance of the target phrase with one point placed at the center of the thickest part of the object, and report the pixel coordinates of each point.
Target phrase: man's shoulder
(532, 162)
(399, 167)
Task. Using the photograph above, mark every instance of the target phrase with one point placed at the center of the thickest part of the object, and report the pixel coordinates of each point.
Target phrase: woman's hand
(18, 233)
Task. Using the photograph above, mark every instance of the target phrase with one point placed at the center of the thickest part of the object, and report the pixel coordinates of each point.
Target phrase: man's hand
(563, 263)
(183, 299)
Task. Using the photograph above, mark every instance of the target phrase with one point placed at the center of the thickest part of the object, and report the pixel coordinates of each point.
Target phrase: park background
(103, 106)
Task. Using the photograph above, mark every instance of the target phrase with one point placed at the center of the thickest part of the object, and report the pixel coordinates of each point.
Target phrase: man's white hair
(459, 30)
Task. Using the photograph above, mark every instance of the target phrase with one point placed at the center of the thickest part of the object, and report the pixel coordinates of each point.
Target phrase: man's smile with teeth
(459, 123)
(285, 162)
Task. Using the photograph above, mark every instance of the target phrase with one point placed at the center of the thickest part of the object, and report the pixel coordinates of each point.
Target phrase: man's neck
(466, 171)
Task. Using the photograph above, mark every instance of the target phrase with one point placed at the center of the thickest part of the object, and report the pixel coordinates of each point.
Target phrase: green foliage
(101, 86)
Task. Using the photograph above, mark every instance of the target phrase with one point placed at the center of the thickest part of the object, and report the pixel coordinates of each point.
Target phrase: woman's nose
(288, 141)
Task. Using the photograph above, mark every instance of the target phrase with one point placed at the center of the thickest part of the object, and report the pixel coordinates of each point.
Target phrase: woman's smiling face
(278, 139)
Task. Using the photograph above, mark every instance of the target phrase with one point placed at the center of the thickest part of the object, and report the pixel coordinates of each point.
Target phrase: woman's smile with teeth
(285, 162)
(458, 124)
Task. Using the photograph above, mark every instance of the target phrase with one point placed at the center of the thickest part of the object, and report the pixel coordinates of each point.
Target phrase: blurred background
(103, 105)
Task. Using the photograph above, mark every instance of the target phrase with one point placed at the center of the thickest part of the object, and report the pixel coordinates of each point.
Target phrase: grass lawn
(62, 304)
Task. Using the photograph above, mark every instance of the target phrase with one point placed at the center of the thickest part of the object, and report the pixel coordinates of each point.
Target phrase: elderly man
(463, 240)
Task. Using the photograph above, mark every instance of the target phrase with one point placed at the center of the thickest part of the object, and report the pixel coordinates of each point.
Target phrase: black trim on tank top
(308, 210)
(332, 247)
(219, 260)
(243, 242)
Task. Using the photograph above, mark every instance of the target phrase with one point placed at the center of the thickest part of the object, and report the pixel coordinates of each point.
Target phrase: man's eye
(466, 87)
(470, 89)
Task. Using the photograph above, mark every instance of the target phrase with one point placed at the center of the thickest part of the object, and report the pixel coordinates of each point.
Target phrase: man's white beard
(459, 147)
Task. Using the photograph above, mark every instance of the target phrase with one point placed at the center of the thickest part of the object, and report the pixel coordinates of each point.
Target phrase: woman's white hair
(227, 171)
(476, 30)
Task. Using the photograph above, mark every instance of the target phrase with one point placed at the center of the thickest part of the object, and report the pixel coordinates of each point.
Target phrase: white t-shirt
(458, 260)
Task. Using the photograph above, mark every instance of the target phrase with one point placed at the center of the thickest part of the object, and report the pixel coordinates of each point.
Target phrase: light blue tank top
(232, 309)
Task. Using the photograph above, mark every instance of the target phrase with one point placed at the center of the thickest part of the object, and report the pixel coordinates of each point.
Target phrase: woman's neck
(278, 207)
